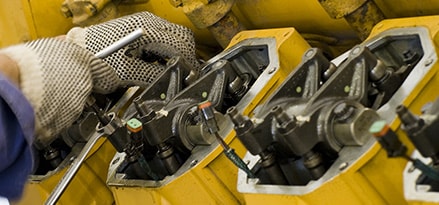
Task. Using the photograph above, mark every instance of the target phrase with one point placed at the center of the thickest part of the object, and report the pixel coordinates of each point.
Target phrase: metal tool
(73, 169)
(120, 43)
(67, 178)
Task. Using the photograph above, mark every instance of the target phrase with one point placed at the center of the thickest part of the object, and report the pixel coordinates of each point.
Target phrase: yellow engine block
(360, 175)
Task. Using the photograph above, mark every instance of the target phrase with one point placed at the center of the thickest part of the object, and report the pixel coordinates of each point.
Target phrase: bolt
(219, 64)
(163, 96)
(408, 54)
(356, 50)
(428, 62)
(194, 162)
(280, 115)
(115, 160)
(343, 166)
(309, 53)
(172, 61)
(272, 70)
(341, 109)
(236, 117)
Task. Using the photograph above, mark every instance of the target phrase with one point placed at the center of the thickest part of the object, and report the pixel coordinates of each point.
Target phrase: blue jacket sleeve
(16, 137)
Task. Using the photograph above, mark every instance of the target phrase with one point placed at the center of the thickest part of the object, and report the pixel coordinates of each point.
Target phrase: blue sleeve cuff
(17, 124)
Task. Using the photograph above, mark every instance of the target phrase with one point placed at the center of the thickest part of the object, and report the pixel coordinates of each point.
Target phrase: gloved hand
(162, 39)
(57, 76)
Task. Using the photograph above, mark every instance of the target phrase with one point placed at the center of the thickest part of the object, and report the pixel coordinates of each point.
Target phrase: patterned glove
(162, 39)
(57, 76)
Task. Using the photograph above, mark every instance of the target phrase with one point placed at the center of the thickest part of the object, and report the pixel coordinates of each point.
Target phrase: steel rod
(71, 172)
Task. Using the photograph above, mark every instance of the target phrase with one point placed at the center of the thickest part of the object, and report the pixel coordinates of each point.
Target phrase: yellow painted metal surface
(213, 179)
(408, 8)
(26, 20)
(15, 24)
(373, 179)
(87, 187)
(89, 183)
(23, 20)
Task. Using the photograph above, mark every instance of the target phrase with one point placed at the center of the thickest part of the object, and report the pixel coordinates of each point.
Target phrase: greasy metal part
(88, 12)
(204, 14)
(259, 138)
(268, 162)
(351, 126)
(103, 118)
(340, 8)
(341, 113)
(89, 182)
(352, 160)
(177, 75)
(115, 131)
(134, 151)
(145, 113)
(110, 122)
(305, 84)
(197, 133)
(224, 29)
(216, 15)
(167, 155)
(422, 131)
(80, 131)
(206, 167)
(362, 15)
(53, 156)
(209, 120)
(72, 170)
(178, 120)
(314, 163)
(365, 18)
(243, 126)
(177, 117)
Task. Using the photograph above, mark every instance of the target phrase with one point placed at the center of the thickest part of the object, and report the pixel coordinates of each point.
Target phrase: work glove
(162, 39)
(57, 76)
